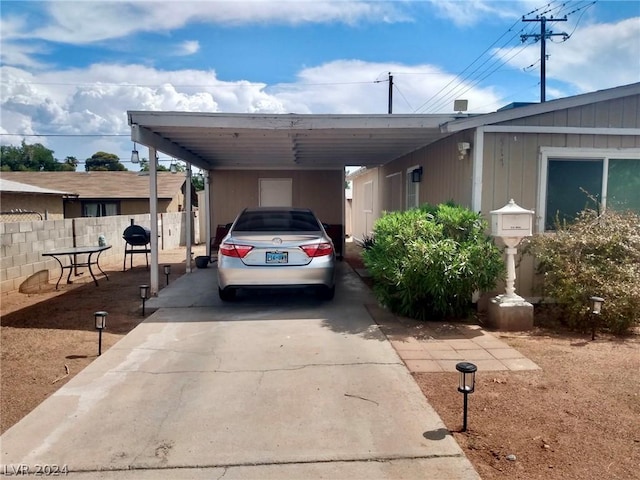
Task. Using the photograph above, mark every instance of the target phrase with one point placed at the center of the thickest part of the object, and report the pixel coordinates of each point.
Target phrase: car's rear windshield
(278, 221)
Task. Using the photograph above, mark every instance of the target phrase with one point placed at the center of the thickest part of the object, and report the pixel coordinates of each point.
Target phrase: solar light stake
(144, 294)
(466, 385)
(596, 307)
(101, 324)
(167, 272)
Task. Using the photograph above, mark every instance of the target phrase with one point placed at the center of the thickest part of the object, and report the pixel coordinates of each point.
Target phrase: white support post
(153, 212)
(188, 219)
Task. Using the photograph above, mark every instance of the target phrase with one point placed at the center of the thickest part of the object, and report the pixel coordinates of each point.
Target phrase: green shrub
(597, 255)
(428, 261)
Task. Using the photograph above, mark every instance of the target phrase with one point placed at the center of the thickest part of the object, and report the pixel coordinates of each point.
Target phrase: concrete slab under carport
(262, 388)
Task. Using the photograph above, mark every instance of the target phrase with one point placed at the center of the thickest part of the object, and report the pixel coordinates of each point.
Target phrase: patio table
(77, 259)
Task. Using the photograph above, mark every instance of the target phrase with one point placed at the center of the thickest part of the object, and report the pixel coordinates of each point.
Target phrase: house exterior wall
(234, 190)
(510, 167)
(50, 206)
(138, 206)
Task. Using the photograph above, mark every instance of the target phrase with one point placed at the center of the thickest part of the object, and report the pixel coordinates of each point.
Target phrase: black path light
(466, 385)
(167, 272)
(144, 295)
(101, 324)
(596, 308)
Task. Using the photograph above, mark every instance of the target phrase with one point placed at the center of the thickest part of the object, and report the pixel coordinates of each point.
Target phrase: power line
(65, 134)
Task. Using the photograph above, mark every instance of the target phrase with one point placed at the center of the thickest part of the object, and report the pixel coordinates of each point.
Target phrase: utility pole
(542, 36)
(390, 93)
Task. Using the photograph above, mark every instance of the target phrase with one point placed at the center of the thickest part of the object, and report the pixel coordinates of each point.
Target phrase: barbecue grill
(138, 239)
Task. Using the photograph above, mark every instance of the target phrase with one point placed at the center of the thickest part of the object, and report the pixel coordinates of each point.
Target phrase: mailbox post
(510, 311)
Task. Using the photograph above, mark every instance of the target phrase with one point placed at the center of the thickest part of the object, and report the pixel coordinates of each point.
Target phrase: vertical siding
(234, 190)
(363, 215)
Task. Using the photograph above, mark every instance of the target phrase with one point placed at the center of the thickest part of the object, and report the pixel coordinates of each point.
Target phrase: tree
(69, 165)
(144, 166)
(31, 158)
(103, 161)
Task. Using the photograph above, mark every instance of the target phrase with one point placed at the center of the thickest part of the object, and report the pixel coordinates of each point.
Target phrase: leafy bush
(368, 241)
(597, 255)
(428, 261)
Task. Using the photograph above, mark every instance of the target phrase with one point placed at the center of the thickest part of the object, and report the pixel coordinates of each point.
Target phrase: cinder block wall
(22, 243)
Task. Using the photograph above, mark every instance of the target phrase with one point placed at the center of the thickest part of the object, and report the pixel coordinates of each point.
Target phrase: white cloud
(82, 22)
(465, 13)
(188, 48)
(596, 56)
(322, 89)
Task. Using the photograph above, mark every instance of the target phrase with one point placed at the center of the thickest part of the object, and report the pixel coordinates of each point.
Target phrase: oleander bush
(597, 255)
(427, 262)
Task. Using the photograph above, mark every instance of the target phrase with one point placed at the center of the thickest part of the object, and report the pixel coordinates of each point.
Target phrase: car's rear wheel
(327, 293)
(227, 295)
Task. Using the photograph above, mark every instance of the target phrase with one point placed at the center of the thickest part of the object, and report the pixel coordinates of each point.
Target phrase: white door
(276, 192)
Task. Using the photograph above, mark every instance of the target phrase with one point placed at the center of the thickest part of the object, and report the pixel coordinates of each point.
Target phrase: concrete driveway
(272, 386)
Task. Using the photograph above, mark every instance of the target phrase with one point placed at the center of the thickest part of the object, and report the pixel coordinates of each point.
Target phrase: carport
(308, 144)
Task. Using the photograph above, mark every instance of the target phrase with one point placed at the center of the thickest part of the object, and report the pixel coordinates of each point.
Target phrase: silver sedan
(276, 247)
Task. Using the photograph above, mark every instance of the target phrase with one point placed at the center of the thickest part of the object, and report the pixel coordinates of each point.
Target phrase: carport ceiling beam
(148, 138)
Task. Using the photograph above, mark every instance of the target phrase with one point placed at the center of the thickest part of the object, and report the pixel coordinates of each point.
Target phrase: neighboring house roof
(99, 185)
(541, 108)
(8, 186)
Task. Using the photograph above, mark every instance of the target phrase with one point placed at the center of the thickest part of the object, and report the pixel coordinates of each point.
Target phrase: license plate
(277, 257)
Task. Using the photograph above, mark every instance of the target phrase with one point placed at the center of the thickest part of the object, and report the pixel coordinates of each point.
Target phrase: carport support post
(153, 213)
(188, 220)
(207, 212)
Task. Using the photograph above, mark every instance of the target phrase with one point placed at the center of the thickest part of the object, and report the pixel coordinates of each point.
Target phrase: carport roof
(237, 141)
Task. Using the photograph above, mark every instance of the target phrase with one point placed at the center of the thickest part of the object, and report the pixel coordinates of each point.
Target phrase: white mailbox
(512, 221)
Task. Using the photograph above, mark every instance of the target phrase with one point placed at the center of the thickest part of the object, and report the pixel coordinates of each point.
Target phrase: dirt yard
(576, 418)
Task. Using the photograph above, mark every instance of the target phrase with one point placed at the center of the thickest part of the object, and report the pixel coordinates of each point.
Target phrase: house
(554, 158)
(19, 201)
(99, 193)
(480, 161)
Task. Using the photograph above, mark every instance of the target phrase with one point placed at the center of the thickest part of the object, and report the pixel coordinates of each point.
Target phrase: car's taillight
(236, 251)
(317, 249)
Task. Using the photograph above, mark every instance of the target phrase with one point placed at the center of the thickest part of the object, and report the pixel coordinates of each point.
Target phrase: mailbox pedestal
(509, 311)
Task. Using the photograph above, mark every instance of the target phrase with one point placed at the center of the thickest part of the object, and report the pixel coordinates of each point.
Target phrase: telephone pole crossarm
(543, 35)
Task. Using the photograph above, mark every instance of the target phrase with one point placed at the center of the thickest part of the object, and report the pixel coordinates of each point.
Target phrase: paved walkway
(439, 346)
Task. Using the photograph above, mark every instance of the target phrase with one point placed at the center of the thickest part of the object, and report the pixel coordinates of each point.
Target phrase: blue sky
(71, 69)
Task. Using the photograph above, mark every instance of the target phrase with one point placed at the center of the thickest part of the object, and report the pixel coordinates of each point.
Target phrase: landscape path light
(167, 272)
(101, 323)
(144, 295)
(466, 385)
(596, 308)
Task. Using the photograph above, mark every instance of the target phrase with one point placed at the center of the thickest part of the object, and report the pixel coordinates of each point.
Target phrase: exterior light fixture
(466, 385)
(135, 157)
(173, 168)
(416, 175)
(463, 149)
(167, 272)
(144, 295)
(101, 324)
(596, 308)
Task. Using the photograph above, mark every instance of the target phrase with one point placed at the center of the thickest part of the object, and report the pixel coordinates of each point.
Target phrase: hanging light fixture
(135, 157)
(173, 168)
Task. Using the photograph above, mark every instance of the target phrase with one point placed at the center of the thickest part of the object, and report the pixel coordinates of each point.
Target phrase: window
(412, 189)
(574, 179)
(100, 209)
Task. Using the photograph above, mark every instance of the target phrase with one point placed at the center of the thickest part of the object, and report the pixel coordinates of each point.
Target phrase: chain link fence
(19, 215)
